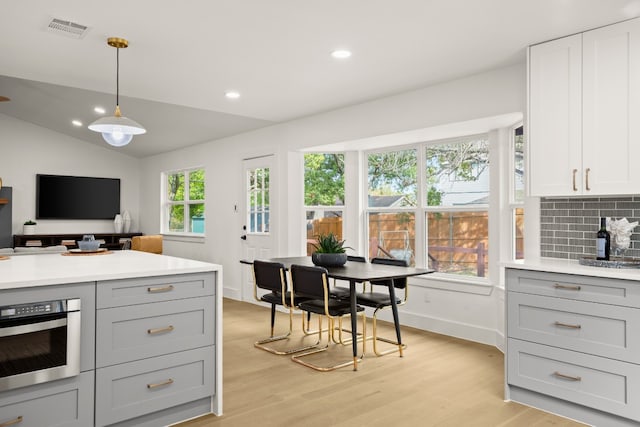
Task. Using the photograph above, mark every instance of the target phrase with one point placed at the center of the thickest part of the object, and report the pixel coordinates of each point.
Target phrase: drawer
(61, 403)
(116, 293)
(140, 331)
(592, 381)
(599, 329)
(137, 388)
(582, 288)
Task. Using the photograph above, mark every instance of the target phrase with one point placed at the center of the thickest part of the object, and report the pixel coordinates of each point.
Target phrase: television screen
(76, 197)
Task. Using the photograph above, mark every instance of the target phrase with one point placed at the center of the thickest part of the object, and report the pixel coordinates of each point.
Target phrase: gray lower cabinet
(573, 345)
(62, 403)
(154, 347)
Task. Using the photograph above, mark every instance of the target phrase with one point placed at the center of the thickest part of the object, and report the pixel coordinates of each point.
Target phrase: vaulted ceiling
(184, 56)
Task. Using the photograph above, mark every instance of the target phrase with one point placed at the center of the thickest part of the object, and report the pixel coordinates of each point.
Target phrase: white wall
(27, 149)
(465, 311)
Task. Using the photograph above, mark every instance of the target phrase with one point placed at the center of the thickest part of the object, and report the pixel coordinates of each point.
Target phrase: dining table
(357, 272)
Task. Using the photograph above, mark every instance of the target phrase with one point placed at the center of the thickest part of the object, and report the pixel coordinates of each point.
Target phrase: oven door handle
(32, 327)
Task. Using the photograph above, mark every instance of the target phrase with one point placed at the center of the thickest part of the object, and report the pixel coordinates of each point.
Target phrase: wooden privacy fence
(457, 241)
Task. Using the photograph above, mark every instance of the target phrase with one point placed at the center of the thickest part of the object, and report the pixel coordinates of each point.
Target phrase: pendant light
(117, 130)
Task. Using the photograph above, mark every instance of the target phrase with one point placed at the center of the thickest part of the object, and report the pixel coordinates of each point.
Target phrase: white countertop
(555, 265)
(51, 269)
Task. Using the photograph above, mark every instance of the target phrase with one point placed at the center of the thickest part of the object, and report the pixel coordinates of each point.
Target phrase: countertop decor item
(330, 251)
(117, 130)
(88, 244)
(117, 223)
(126, 221)
(29, 227)
(621, 230)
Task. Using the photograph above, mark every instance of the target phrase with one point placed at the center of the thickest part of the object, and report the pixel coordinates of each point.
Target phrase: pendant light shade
(117, 130)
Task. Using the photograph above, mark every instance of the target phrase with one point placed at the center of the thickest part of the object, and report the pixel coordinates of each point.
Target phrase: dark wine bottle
(603, 240)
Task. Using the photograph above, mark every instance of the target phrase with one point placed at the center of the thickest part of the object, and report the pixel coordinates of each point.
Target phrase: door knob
(243, 237)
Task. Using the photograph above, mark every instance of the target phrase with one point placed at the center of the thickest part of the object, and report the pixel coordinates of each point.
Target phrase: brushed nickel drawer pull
(567, 377)
(567, 287)
(160, 289)
(587, 179)
(160, 384)
(12, 422)
(566, 325)
(575, 188)
(160, 330)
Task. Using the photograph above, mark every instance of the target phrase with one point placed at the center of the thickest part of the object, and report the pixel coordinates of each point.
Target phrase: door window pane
(258, 203)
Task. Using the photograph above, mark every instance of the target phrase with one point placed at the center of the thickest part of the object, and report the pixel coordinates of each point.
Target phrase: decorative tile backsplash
(568, 227)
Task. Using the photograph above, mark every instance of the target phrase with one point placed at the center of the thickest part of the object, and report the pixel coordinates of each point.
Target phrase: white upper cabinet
(584, 92)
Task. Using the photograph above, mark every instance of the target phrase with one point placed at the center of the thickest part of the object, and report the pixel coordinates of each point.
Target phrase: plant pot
(28, 229)
(329, 260)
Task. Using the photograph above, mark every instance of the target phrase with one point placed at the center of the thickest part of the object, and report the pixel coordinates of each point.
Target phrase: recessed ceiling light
(77, 123)
(341, 54)
(99, 110)
(232, 94)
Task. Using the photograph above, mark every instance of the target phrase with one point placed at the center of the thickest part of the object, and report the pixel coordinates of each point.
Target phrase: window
(457, 200)
(323, 195)
(517, 191)
(258, 200)
(183, 202)
(391, 203)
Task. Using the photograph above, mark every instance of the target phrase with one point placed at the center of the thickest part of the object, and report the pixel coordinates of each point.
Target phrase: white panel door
(258, 232)
(611, 93)
(555, 121)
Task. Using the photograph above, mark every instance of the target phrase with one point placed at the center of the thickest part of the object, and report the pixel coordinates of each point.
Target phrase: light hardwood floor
(440, 381)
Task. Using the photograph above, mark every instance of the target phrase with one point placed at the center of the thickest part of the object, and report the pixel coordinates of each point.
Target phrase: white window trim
(165, 203)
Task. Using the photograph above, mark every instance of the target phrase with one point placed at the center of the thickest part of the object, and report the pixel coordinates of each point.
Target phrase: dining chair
(312, 284)
(271, 277)
(341, 292)
(382, 300)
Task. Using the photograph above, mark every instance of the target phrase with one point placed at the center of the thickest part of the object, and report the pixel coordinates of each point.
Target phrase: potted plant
(29, 227)
(330, 251)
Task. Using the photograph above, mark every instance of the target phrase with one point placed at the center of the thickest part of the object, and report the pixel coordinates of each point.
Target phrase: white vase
(117, 223)
(28, 229)
(126, 222)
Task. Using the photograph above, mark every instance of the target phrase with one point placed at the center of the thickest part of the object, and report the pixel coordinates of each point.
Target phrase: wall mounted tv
(76, 197)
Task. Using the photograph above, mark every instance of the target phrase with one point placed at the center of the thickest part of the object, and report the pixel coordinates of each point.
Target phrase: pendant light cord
(117, 76)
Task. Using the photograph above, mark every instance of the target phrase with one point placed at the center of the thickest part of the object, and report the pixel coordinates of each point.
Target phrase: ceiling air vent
(67, 28)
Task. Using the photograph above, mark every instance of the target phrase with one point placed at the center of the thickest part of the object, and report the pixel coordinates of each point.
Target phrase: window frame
(166, 204)
(421, 210)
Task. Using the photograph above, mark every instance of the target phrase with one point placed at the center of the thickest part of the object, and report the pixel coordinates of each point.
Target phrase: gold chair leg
(298, 357)
(376, 338)
(261, 344)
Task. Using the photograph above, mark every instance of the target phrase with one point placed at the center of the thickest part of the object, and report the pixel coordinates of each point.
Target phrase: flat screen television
(76, 197)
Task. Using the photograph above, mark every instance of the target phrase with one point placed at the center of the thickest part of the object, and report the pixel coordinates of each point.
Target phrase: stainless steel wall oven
(39, 342)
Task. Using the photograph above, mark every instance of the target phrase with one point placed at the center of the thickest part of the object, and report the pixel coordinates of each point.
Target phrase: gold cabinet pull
(566, 377)
(12, 422)
(160, 384)
(155, 289)
(566, 325)
(586, 173)
(160, 330)
(575, 188)
(567, 287)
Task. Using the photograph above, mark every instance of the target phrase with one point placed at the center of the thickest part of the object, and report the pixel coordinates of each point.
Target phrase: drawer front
(599, 329)
(116, 293)
(137, 388)
(582, 288)
(136, 332)
(62, 403)
(592, 381)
